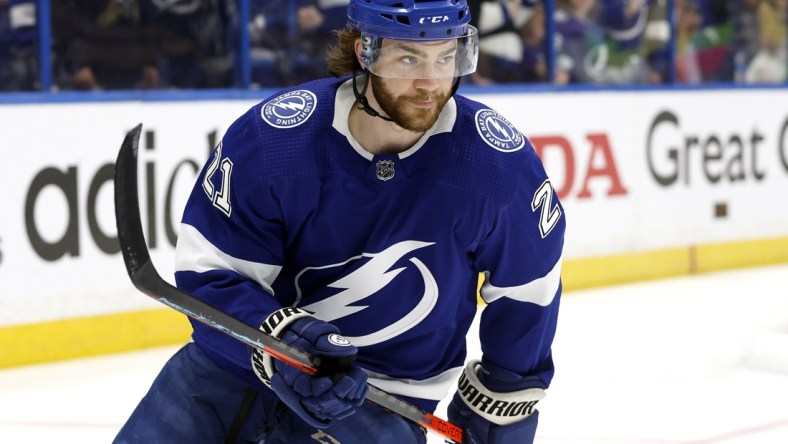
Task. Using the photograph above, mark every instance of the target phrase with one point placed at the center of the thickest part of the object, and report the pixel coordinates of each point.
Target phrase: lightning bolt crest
(363, 282)
(292, 106)
(495, 123)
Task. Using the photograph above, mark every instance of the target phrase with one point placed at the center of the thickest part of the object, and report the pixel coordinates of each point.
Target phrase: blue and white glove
(495, 406)
(318, 400)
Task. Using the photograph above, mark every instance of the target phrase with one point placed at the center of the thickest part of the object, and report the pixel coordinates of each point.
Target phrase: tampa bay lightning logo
(372, 273)
(289, 109)
(498, 132)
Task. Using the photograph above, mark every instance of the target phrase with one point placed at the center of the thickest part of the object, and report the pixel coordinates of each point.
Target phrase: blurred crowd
(121, 44)
(163, 44)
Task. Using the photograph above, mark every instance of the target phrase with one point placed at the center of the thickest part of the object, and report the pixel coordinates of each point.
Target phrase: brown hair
(341, 58)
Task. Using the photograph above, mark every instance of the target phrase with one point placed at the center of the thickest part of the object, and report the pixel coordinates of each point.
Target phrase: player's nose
(426, 84)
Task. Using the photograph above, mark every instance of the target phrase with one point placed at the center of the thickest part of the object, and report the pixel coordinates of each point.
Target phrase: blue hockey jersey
(291, 211)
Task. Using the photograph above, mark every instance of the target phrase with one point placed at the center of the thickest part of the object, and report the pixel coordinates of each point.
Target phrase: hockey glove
(318, 400)
(495, 406)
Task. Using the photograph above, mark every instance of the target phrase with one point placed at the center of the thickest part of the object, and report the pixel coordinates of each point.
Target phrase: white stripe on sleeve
(539, 291)
(195, 253)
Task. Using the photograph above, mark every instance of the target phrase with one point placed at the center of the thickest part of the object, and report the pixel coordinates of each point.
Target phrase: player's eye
(408, 60)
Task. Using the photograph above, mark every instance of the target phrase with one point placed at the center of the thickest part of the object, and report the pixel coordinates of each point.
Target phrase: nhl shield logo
(385, 170)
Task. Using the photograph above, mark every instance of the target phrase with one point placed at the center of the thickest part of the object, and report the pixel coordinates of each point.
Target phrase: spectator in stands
(196, 41)
(269, 42)
(18, 60)
(611, 41)
(713, 39)
(581, 54)
(317, 21)
(770, 62)
(624, 22)
(688, 23)
(637, 34)
(745, 43)
(101, 44)
(290, 39)
(501, 48)
(533, 35)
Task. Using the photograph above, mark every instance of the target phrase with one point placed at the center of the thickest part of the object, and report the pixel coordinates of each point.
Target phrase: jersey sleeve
(521, 261)
(230, 247)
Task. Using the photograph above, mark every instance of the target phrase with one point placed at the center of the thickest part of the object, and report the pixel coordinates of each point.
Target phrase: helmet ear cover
(367, 49)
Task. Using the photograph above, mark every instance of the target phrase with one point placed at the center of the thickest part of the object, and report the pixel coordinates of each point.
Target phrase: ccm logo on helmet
(435, 19)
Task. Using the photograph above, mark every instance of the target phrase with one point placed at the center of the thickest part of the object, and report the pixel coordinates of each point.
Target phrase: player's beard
(400, 109)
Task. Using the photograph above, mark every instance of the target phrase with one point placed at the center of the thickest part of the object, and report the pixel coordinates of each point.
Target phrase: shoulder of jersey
(489, 150)
(301, 107)
(489, 128)
(284, 134)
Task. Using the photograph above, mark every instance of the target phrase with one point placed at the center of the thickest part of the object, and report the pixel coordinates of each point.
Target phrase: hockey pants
(192, 400)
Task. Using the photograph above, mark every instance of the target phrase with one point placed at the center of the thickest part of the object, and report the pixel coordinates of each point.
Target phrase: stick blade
(146, 278)
(127, 211)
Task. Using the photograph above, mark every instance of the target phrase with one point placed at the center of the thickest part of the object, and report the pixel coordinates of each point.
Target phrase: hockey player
(368, 204)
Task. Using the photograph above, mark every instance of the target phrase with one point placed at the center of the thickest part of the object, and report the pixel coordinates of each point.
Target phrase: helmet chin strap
(361, 96)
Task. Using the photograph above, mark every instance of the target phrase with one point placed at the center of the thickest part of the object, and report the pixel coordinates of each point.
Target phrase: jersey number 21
(221, 197)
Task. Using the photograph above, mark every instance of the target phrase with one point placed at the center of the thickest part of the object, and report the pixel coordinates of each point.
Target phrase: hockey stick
(145, 277)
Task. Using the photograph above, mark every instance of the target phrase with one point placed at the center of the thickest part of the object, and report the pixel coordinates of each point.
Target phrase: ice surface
(692, 360)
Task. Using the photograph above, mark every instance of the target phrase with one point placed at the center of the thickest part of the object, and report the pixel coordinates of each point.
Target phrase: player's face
(414, 101)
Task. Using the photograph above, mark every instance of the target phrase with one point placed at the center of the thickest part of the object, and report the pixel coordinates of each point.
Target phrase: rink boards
(654, 183)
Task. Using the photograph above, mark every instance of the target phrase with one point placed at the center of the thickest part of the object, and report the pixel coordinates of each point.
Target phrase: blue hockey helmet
(421, 21)
(410, 19)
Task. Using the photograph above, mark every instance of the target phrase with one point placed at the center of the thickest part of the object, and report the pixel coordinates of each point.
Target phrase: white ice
(693, 360)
